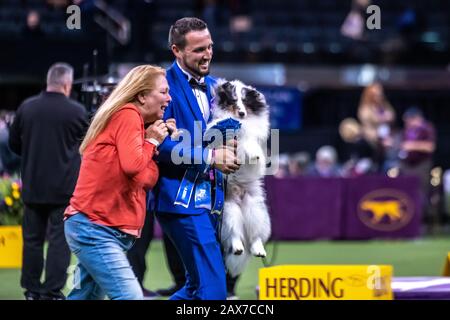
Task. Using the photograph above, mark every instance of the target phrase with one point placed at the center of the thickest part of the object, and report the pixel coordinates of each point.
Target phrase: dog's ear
(221, 94)
(225, 93)
(227, 86)
(254, 100)
(254, 94)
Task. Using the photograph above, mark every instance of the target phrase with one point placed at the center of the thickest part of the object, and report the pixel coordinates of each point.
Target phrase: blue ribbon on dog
(228, 128)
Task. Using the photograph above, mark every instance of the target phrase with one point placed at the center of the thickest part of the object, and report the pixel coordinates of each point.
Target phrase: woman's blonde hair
(367, 96)
(139, 79)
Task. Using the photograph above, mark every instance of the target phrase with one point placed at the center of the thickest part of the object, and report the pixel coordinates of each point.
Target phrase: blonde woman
(107, 209)
(375, 114)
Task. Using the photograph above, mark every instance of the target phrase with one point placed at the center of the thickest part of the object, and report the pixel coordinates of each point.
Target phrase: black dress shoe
(32, 295)
(169, 291)
(232, 296)
(53, 296)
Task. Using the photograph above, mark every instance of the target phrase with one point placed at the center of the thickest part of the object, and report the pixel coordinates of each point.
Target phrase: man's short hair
(178, 31)
(59, 74)
(412, 112)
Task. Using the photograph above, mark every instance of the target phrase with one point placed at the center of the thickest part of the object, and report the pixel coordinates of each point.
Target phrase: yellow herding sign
(11, 244)
(326, 282)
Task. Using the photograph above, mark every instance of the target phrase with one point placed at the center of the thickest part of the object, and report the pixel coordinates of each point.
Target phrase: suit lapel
(187, 91)
(210, 82)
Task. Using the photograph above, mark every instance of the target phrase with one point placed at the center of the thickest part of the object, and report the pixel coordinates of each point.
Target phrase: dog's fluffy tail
(236, 264)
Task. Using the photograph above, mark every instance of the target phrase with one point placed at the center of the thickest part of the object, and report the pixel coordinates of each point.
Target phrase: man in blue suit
(191, 184)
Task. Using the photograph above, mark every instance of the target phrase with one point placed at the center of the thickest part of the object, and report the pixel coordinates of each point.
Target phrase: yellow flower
(16, 194)
(8, 201)
(15, 186)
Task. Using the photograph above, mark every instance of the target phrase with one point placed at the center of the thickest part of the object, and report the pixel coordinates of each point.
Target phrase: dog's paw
(257, 249)
(237, 247)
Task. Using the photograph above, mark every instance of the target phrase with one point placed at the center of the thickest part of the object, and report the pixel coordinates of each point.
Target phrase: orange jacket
(116, 170)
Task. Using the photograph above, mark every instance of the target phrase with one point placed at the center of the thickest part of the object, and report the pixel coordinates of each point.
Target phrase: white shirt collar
(202, 79)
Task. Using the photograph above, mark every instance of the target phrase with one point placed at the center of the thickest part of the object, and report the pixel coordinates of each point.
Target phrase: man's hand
(225, 159)
(420, 146)
(232, 143)
(158, 131)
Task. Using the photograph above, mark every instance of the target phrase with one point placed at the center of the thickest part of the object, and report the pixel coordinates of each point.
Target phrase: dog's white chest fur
(251, 154)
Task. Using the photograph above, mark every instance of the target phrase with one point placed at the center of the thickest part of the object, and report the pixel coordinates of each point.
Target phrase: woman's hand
(158, 131)
(172, 126)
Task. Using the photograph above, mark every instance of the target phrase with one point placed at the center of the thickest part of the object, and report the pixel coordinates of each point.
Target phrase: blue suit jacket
(186, 111)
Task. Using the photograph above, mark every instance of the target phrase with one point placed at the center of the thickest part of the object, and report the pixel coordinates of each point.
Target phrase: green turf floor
(423, 257)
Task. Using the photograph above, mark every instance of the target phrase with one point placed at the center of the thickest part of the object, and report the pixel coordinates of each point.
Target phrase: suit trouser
(195, 239)
(36, 220)
(176, 266)
(136, 255)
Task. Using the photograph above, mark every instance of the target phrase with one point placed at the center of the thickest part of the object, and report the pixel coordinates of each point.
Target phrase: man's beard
(198, 73)
(196, 70)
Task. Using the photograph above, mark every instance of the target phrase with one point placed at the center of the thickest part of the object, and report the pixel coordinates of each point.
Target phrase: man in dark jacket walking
(46, 133)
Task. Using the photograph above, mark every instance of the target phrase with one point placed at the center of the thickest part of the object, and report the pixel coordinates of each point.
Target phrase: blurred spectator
(240, 20)
(391, 144)
(33, 28)
(282, 162)
(325, 164)
(9, 161)
(354, 24)
(46, 133)
(419, 144)
(292, 165)
(298, 164)
(375, 114)
(364, 158)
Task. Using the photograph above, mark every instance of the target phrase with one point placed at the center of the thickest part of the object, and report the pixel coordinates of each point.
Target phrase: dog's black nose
(241, 114)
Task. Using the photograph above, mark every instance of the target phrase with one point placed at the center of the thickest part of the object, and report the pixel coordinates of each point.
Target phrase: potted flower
(11, 215)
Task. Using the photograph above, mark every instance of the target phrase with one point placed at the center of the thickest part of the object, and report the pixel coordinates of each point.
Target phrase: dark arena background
(345, 191)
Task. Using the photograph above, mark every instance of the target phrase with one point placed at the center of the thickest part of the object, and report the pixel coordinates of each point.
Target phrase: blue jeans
(103, 267)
